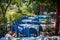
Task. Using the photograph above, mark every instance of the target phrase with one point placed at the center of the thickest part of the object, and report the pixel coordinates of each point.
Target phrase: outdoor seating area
(27, 26)
(29, 20)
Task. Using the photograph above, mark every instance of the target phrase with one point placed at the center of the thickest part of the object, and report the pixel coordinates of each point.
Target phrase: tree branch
(1, 6)
(8, 6)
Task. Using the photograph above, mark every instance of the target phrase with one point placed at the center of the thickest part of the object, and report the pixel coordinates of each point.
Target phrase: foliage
(32, 5)
(2, 21)
(51, 5)
(4, 4)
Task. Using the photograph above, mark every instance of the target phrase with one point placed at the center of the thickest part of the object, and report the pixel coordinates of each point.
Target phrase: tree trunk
(3, 14)
(57, 16)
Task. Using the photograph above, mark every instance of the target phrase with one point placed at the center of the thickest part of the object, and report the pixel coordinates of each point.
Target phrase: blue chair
(36, 23)
(40, 29)
(33, 31)
(26, 32)
(15, 28)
